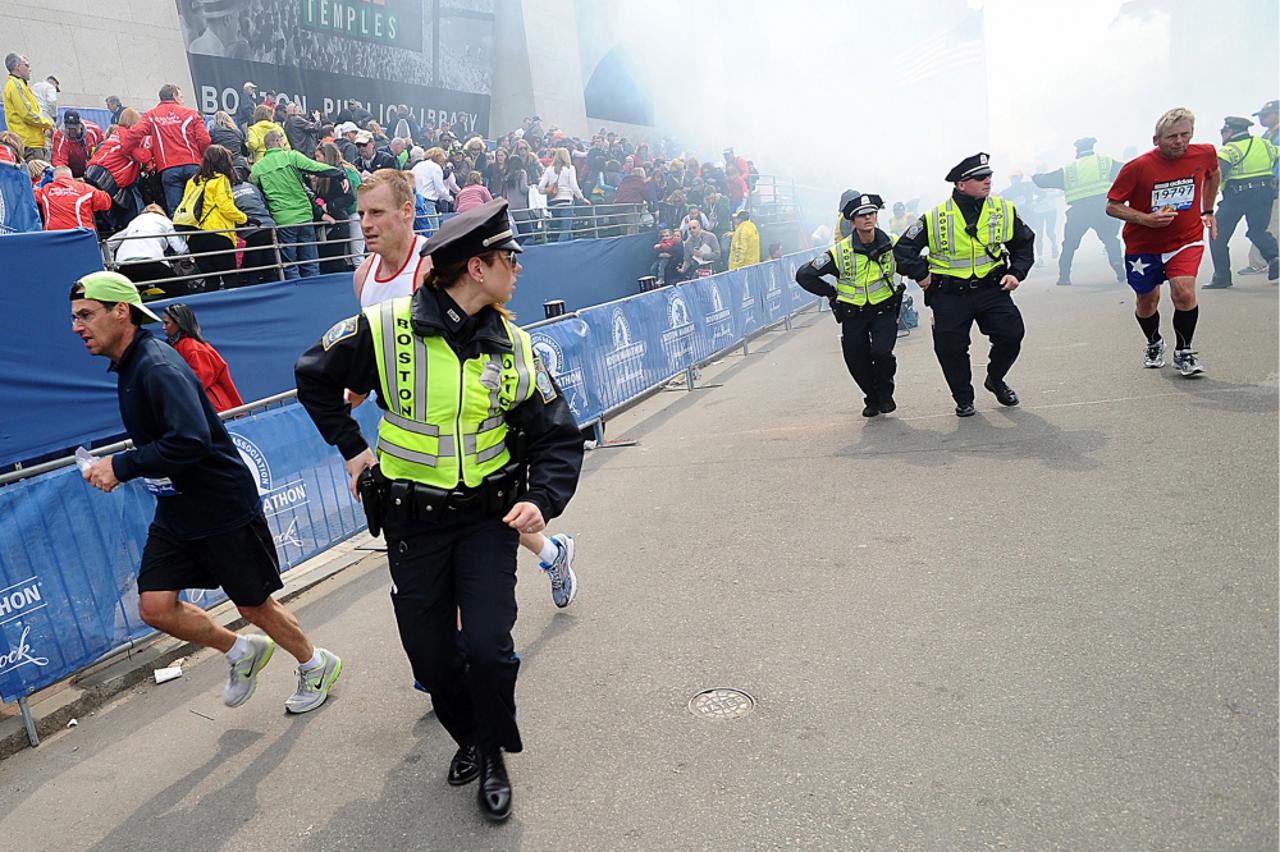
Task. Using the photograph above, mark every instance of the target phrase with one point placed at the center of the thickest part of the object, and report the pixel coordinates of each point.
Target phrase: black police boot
(1004, 393)
(888, 406)
(465, 766)
(495, 788)
(965, 409)
(870, 409)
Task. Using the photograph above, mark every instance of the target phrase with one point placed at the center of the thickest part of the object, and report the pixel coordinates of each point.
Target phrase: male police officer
(980, 250)
(1269, 118)
(1248, 191)
(864, 300)
(1085, 182)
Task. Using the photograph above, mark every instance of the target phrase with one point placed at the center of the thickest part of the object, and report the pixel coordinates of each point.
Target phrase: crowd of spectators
(228, 183)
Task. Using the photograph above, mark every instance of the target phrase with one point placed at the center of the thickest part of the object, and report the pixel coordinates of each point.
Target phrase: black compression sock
(1150, 326)
(1184, 326)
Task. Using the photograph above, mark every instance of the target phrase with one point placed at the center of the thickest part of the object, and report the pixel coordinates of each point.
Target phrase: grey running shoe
(314, 683)
(244, 673)
(1155, 355)
(564, 583)
(1187, 363)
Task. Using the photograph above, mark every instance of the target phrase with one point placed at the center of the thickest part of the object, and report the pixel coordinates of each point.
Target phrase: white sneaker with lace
(244, 672)
(314, 683)
(1187, 363)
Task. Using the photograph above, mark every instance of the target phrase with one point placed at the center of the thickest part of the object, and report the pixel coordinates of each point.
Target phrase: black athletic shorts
(243, 562)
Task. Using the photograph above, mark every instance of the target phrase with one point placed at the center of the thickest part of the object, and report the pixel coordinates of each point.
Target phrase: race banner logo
(719, 320)
(17, 603)
(277, 499)
(625, 360)
(677, 340)
(570, 379)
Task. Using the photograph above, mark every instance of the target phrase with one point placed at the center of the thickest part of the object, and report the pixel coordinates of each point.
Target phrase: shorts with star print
(1145, 272)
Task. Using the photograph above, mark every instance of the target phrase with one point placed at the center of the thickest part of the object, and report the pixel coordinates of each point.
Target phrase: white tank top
(377, 290)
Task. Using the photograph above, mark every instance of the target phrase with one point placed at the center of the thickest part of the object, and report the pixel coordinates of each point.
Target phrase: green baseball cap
(113, 287)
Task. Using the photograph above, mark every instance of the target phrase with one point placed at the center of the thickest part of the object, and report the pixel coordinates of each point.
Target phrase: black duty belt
(401, 501)
(990, 281)
(1234, 186)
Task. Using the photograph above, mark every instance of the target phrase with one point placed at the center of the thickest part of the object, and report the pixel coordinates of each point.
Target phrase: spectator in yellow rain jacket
(744, 249)
(262, 125)
(21, 110)
(207, 213)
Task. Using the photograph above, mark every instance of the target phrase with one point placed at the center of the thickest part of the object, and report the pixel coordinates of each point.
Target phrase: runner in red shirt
(1165, 198)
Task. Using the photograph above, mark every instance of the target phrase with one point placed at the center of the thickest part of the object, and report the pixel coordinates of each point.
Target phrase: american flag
(962, 46)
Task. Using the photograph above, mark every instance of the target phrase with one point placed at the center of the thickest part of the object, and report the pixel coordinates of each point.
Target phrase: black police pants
(1081, 218)
(465, 562)
(1254, 206)
(954, 312)
(867, 339)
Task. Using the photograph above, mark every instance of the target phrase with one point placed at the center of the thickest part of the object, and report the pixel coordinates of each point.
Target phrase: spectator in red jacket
(67, 203)
(178, 139)
(114, 169)
(183, 330)
(73, 145)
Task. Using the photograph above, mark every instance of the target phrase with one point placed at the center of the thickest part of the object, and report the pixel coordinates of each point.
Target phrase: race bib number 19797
(1179, 194)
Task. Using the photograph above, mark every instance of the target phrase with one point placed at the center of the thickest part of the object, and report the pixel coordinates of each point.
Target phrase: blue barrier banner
(69, 554)
(581, 272)
(562, 347)
(18, 211)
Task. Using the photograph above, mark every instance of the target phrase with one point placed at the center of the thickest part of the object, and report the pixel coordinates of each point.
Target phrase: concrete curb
(84, 692)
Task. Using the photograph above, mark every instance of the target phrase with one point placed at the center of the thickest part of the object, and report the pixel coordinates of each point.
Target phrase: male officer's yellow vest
(862, 281)
(953, 252)
(1250, 158)
(1087, 177)
(446, 419)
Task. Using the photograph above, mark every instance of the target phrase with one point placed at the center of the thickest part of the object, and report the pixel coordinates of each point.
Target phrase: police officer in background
(1269, 118)
(1248, 191)
(980, 250)
(478, 447)
(864, 301)
(1085, 182)
(843, 226)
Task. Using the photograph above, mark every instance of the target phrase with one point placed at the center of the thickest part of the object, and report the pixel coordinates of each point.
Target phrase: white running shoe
(244, 673)
(314, 683)
(1187, 363)
(1155, 355)
(564, 583)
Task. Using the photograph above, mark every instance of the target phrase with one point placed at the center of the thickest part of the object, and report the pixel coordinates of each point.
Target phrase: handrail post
(28, 722)
(275, 248)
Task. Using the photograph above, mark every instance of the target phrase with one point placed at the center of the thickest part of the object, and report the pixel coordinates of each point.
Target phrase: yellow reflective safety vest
(861, 280)
(445, 421)
(1087, 177)
(954, 253)
(1250, 158)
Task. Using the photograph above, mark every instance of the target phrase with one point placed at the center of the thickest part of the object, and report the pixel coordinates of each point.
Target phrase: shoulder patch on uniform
(821, 261)
(341, 330)
(542, 380)
(914, 230)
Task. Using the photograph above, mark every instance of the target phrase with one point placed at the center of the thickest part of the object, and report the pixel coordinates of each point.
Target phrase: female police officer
(865, 301)
(472, 414)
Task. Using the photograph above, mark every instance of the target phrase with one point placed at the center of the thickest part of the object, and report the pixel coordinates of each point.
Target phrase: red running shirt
(1150, 182)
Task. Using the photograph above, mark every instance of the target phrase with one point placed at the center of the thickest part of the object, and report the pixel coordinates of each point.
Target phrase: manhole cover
(721, 703)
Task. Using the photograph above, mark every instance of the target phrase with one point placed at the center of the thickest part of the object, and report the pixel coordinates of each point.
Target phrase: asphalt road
(1051, 627)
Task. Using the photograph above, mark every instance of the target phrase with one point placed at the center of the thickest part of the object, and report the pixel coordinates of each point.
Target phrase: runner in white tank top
(374, 288)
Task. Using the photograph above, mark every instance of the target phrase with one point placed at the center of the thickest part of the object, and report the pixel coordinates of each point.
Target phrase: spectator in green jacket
(279, 175)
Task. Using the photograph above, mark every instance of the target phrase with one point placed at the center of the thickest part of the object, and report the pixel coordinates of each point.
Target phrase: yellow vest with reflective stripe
(1087, 177)
(862, 280)
(953, 252)
(445, 421)
(1250, 158)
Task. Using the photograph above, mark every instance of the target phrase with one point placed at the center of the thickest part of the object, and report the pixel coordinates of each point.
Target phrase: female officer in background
(864, 300)
(474, 412)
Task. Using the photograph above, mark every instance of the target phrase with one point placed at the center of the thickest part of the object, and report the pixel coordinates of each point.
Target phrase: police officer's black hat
(1085, 143)
(1237, 122)
(480, 229)
(1269, 106)
(845, 198)
(859, 204)
(976, 166)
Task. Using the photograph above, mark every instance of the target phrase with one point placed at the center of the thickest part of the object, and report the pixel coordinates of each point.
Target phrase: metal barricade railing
(582, 222)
